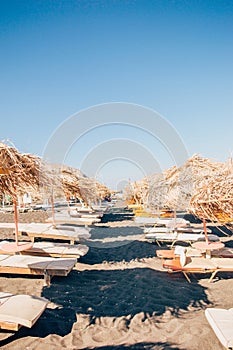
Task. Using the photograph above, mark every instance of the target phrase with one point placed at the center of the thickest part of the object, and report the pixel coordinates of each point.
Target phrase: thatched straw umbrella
(70, 184)
(103, 192)
(87, 190)
(19, 173)
(213, 198)
(136, 192)
(174, 187)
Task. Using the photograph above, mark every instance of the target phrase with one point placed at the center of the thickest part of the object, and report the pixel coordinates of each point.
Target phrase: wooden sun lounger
(170, 253)
(144, 220)
(36, 231)
(20, 310)
(199, 265)
(43, 230)
(56, 250)
(81, 209)
(187, 229)
(221, 321)
(169, 222)
(36, 265)
(175, 237)
(65, 219)
(75, 213)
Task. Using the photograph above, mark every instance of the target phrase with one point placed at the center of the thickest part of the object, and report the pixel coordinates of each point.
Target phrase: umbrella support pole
(16, 221)
(205, 231)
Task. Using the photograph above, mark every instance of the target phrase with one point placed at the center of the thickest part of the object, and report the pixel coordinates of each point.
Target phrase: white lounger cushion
(189, 230)
(145, 220)
(42, 227)
(185, 237)
(21, 309)
(54, 248)
(157, 230)
(221, 321)
(200, 263)
(72, 220)
(169, 222)
(38, 262)
(162, 236)
(223, 263)
(196, 237)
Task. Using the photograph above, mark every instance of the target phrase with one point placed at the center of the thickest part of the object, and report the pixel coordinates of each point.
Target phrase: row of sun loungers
(191, 261)
(186, 233)
(45, 259)
(173, 230)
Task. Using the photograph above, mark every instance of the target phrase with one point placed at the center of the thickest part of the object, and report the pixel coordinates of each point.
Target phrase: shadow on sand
(112, 217)
(140, 346)
(125, 251)
(114, 293)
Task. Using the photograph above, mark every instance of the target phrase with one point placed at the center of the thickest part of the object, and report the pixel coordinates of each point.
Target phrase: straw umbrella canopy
(68, 181)
(70, 184)
(102, 191)
(19, 173)
(213, 198)
(74, 183)
(88, 190)
(174, 187)
(136, 192)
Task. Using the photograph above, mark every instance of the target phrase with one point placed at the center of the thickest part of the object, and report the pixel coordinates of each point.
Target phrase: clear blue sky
(175, 57)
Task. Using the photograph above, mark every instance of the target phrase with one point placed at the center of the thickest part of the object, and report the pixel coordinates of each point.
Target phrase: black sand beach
(118, 296)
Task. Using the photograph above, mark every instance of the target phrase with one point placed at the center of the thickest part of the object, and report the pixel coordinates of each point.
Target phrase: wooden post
(16, 220)
(53, 211)
(205, 231)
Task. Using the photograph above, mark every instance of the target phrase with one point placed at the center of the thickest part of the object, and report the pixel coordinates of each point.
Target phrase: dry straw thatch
(201, 186)
(20, 173)
(77, 185)
(26, 173)
(214, 198)
(71, 182)
(175, 187)
(136, 192)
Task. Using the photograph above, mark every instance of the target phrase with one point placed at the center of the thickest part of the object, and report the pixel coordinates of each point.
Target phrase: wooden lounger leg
(173, 243)
(213, 275)
(32, 239)
(186, 276)
(47, 279)
(157, 242)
